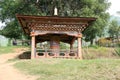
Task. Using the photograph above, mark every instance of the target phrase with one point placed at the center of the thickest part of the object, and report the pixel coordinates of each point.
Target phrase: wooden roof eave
(59, 18)
(24, 26)
(90, 23)
(66, 20)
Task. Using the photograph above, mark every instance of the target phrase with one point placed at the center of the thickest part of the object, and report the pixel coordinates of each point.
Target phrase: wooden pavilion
(55, 29)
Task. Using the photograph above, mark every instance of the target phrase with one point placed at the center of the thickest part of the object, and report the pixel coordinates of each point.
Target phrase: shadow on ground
(25, 55)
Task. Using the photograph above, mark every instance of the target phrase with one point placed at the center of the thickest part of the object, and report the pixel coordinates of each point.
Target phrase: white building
(3, 41)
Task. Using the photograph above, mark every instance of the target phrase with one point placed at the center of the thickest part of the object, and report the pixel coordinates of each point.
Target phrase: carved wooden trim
(79, 35)
(32, 34)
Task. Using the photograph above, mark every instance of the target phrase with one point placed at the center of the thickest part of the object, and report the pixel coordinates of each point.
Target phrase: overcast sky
(115, 6)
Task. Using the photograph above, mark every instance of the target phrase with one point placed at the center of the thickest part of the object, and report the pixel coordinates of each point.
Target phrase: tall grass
(98, 52)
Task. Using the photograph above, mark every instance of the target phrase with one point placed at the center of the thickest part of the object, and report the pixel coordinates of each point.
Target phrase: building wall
(3, 41)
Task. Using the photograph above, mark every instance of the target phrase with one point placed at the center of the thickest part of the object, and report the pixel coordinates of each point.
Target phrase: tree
(78, 8)
(8, 9)
(99, 8)
(114, 30)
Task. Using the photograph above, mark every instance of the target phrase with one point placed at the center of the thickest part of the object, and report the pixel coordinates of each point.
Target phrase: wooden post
(72, 42)
(33, 46)
(36, 55)
(71, 46)
(79, 46)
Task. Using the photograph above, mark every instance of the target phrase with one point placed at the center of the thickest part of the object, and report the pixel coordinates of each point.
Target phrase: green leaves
(12, 30)
(96, 8)
(78, 8)
(114, 29)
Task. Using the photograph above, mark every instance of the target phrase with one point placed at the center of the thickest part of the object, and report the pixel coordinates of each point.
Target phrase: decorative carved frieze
(57, 27)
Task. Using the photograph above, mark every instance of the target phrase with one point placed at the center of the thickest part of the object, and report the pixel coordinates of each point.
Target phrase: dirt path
(8, 72)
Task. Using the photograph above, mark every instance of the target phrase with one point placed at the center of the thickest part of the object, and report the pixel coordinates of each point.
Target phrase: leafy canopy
(114, 29)
(81, 8)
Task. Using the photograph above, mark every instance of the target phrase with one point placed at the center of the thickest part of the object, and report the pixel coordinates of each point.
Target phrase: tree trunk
(9, 42)
(14, 42)
(91, 42)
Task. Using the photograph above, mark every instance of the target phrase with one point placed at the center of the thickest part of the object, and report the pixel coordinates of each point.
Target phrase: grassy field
(98, 68)
(70, 69)
(9, 49)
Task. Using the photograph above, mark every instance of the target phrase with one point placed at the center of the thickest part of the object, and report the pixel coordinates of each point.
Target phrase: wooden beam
(57, 23)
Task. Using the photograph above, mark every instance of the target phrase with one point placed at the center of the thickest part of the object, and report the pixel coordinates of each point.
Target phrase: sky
(115, 6)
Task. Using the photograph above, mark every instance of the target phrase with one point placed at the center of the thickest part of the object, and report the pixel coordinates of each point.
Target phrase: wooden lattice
(58, 27)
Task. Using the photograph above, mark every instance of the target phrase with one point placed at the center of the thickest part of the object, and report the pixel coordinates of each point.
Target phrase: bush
(106, 42)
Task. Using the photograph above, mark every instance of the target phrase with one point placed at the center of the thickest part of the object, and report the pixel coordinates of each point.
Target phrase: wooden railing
(50, 53)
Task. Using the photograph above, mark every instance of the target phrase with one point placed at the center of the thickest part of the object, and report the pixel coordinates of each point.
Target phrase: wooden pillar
(72, 42)
(71, 46)
(33, 51)
(79, 46)
(36, 55)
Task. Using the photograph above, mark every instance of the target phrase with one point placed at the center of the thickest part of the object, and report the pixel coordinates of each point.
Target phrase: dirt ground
(8, 72)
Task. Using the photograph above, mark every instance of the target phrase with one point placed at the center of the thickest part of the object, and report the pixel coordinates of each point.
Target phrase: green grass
(70, 69)
(9, 49)
(4, 50)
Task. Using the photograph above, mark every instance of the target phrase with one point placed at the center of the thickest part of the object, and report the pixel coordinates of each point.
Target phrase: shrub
(106, 42)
